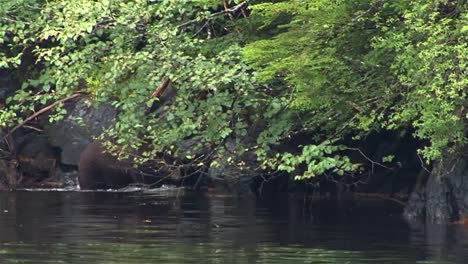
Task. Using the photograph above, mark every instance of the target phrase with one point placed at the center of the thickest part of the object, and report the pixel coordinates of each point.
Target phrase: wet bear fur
(98, 169)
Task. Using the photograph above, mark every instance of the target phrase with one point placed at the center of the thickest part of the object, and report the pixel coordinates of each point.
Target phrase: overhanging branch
(229, 11)
(40, 112)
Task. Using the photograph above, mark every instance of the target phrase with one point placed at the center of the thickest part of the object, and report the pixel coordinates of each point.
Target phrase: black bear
(100, 170)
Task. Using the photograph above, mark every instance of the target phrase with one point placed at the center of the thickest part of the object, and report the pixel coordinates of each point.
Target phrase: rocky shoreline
(44, 155)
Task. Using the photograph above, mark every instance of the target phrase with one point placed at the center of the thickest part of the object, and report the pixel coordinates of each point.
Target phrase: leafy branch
(40, 112)
(229, 11)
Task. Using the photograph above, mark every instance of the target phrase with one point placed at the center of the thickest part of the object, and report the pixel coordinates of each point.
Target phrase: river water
(180, 227)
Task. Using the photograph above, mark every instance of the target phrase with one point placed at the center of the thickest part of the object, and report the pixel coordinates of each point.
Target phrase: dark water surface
(100, 227)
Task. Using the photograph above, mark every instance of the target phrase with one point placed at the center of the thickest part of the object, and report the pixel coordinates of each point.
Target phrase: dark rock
(192, 147)
(416, 207)
(78, 128)
(37, 158)
(8, 174)
(444, 197)
(8, 85)
(232, 172)
(8, 163)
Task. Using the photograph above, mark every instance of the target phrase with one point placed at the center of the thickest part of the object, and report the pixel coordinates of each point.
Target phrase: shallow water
(182, 227)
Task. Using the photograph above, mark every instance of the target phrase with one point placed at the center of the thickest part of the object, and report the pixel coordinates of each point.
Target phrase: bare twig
(422, 164)
(165, 83)
(370, 160)
(355, 106)
(228, 11)
(374, 6)
(226, 7)
(381, 196)
(33, 128)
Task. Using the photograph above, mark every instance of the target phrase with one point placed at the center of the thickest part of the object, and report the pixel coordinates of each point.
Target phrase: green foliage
(119, 52)
(323, 51)
(431, 58)
(334, 82)
(318, 159)
(356, 66)
(326, 69)
(388, 158)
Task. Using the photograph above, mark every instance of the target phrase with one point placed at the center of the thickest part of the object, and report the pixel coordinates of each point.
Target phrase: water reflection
(74, 227)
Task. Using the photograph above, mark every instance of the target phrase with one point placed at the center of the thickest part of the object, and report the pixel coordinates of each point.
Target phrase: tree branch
(370, 160)
(228, 11)
(371, 8)
(166, 81)
(40, 112)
